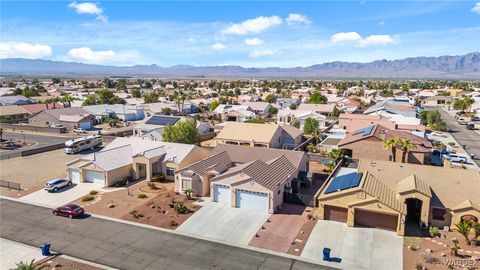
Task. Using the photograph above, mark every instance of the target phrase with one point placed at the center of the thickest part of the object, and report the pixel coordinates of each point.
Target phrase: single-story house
(38, 107)
(436, 100)
(389, 195)
(244, 177)
(286, 116)
(14, 100)
(347, 104)
(368, 143)
(259, 135)
(13, 113)
(351, 122)
(134, 158)
(71, 118)
(260, 108)
(120, 111)
(234, 113)
(153, 126)
(325, 109)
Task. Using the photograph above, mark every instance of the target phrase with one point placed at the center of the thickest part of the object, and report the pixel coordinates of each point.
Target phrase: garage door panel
(85, 125)
(94, 177)
(74, 175)
(221, 194)
(252, 200)
(371, 219)
(335, 213)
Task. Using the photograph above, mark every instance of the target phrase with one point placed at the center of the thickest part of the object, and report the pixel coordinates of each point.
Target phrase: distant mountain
(452, 67)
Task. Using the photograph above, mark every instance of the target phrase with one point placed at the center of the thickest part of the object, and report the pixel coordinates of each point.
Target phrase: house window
(439, 214)
(186, 184)
(170, 171)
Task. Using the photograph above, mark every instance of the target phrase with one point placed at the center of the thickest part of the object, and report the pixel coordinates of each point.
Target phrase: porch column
(148, 166)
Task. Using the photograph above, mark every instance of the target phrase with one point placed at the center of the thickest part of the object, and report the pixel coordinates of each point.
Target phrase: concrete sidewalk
(13, 252)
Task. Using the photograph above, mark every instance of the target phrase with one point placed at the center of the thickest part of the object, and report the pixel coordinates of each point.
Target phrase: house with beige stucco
(134, 158)
(244, 177)
(392, 196)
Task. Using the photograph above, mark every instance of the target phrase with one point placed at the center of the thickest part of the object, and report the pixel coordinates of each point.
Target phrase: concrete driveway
(63, 196)
(223, 223)
(358, 248)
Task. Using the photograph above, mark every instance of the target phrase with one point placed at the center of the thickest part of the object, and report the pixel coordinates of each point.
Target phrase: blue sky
(247, 33)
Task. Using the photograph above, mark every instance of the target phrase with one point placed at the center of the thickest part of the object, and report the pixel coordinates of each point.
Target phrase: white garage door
(221, 194)
(74, 175)
(94, 177)
(85, 125)
(252, 200)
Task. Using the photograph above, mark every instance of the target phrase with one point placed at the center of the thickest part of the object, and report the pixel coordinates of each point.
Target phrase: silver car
(56, 184)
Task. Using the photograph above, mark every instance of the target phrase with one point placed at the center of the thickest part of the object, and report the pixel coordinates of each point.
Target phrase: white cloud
(24, 50)
(345, 37)
(261, 52)
(376, 40)
(253, 42)
(476, 8)
(348, 37)
(88, 8)
(381, 23)
(294, 18)
(192, 40)
(85, 54)
(253, 26)
(218, 46)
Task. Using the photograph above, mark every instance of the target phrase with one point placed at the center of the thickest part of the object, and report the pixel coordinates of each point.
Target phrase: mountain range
(443, 67)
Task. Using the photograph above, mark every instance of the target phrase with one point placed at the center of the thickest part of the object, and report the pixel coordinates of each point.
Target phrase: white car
(460, 158)
(79, 130)
(439, 134)
(462, 120)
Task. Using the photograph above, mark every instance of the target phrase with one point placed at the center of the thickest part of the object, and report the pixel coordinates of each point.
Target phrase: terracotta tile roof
(413, 183)
(38, 107)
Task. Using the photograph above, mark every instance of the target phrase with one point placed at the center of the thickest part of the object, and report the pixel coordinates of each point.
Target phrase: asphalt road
(470, 138)
(125, 246)
(42, 141)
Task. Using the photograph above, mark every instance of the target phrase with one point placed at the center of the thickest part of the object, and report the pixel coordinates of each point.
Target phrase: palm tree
(336, 154)
(463, 227)
(67, 99)
(468, 102)
(29, 266)
(391, 143)
(405, 145)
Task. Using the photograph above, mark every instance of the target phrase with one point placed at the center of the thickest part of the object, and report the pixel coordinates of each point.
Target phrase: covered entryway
(258, 201)
(335, 213)
(94, 177)
(85, 125)
(221, 194)
(371, 219)
(414, 210)
(74, 175)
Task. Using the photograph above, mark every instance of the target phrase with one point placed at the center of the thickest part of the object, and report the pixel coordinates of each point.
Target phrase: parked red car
(69, 210)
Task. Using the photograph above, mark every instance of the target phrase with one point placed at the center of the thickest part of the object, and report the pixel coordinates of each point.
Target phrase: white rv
(80, 144)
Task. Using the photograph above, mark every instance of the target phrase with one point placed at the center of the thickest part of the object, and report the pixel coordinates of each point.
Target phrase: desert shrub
(152, 186)
(418, 266)
(173, 223)
(135, 213)
(121, 183)
(142, 196)
(180, 207)
(428, 258)
(451, 143)
(87, 198)
(433, 231)
(93, 192)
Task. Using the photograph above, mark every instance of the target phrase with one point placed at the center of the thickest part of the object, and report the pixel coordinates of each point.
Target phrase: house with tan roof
(134, 158)
(368, 143)
(325, 109)
(13, 113)
(393, 196)
(244, 177)
(286, 116)
(260, 135)
(71, 118)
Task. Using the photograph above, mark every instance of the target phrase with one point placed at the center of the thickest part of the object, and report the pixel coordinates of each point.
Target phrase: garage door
(74, 175)
(375, 220)
(336, 213)
(85, 125)
(221, 194)
(252, 200)
(94, 177)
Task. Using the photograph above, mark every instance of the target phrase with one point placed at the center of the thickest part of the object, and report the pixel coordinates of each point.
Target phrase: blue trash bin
(45, 248)
(326, 254)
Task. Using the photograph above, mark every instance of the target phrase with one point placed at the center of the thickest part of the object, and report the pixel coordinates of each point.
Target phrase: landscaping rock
(428, 250)
(297, 250)
(443, 254)
(152, 206)
(111, 205)
(412, 248)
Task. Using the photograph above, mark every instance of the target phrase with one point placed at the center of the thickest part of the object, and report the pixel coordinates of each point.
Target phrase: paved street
(127, 246)
(42, 141)
(468, 137)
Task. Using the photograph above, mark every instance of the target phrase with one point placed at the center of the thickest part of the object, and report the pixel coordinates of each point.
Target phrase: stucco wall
(119, 174)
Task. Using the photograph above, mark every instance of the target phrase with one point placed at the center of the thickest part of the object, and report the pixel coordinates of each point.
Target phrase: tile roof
(218, 162)
(57, 113)
(376, 188)
(112, 158)
(12, 110)
(292, 131)
(14, 100)
(413, 183)
(38, 107)
(321, 108)
(248, 132)
(449, 186)
(242, 154)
